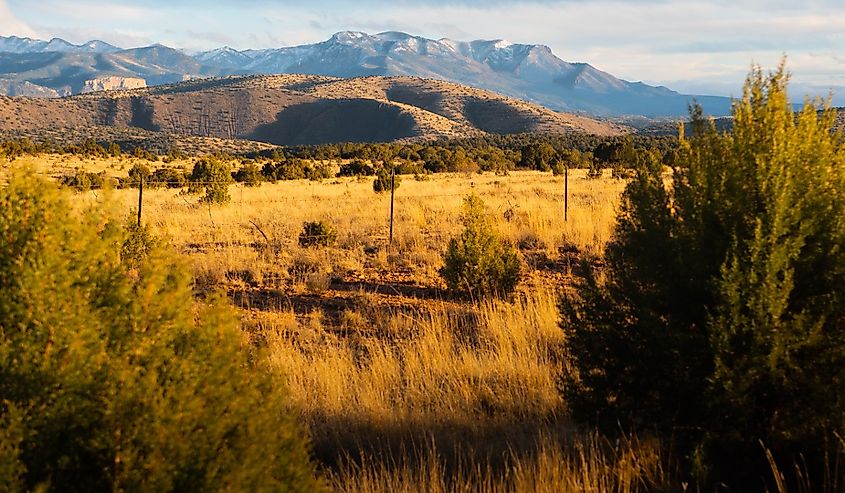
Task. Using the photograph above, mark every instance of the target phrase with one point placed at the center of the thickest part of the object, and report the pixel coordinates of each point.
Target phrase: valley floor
(402, 386)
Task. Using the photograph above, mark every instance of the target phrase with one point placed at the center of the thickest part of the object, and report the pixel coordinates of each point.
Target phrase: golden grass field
(402, 387)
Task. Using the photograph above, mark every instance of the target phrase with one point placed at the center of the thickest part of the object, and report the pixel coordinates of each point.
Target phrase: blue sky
(703, 47)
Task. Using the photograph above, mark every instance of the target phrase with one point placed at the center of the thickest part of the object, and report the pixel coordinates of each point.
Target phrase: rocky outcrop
(113, 84)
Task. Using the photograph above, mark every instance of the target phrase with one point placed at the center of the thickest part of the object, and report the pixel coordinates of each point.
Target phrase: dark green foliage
(356, 168)
(498, 153)
(384, 180)
(268, 172)
(138, 244)
(721, 316)
(249, 175)
(410, 168)
(572, 159)
(174, 154)
(479, 263)
(317, 233)
(319, 172)
(114, 150)
(538, 156)
(82, 181)
(290, 169)
(14, 149)
(595, 171)
(141, 153)
(608, 151)
(88, 148)
(114, 380)
(136, 173)
(169, 178)
(213, 176)
(487, 153)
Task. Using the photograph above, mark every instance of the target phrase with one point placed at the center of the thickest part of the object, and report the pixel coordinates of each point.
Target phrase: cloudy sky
(695, 46)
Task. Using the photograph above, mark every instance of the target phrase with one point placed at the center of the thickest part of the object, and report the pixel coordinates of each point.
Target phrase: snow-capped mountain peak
(527, 71)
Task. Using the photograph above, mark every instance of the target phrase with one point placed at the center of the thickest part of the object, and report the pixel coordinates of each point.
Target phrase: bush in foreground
(479, 263)
(721, 318)
(116, 382)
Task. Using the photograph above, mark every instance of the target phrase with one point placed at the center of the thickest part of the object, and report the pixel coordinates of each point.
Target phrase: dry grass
(590, 465)
(527, 207)
(436, 367)
(402, 387)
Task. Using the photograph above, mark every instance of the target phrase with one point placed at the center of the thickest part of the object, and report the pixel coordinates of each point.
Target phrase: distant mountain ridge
(528, 72)
(14, 44)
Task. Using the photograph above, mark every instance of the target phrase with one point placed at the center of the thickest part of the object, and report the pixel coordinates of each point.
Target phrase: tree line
(495, 153)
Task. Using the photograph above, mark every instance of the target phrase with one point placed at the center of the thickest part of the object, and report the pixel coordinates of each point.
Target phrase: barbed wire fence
(144, 184)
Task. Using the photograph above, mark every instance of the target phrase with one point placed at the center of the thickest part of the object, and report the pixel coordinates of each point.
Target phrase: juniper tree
(114, 380)
(720, 318)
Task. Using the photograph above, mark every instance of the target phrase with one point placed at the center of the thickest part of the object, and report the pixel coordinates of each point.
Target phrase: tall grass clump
(118, 382)
(587, 463)
(432, 369)
(720, 318)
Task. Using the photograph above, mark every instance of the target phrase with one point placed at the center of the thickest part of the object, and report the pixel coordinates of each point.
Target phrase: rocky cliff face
(113, 84)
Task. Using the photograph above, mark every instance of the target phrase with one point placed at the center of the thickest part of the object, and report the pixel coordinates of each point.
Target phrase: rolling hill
(298, 109)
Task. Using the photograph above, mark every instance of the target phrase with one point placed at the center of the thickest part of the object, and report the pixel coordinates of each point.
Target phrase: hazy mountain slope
(25, 88)
(529, 72)
(14, 44)
(66, 72)
(299, 109)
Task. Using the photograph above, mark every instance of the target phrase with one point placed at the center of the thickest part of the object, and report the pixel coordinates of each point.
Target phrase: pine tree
(113, 378)
(721, 316)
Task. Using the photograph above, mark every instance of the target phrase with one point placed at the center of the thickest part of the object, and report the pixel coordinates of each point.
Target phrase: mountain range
(529, 72)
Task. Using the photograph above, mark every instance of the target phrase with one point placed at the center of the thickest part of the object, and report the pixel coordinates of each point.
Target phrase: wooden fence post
(140, 198)
(392, 190)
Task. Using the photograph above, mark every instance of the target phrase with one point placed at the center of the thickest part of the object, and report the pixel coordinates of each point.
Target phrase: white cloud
(10, 24)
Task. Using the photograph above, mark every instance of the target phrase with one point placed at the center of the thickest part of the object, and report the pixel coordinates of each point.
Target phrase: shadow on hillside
(337, 120)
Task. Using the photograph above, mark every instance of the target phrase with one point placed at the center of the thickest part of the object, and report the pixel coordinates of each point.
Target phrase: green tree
(119, 381)
(214, 176)
(385, 180)
(136, 173)
(317, 234)
(478, 262)
(721, 315)
(538, 156)
(169, 177)
(249, 175)
(356, 167)
(114, 150)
